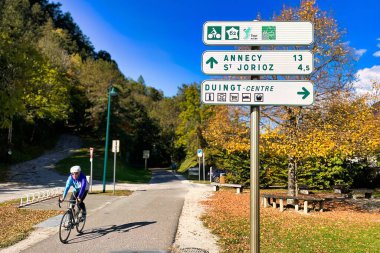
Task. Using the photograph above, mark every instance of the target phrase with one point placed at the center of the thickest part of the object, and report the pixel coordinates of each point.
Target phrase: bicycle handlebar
(70, 201)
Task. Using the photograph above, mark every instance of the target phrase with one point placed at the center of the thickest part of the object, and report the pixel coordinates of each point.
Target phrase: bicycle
(72, 217)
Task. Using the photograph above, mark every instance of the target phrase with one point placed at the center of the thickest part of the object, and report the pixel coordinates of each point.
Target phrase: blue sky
(162, 40)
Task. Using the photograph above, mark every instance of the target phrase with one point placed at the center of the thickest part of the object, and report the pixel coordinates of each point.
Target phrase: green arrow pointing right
(305, 93)
(211, 61)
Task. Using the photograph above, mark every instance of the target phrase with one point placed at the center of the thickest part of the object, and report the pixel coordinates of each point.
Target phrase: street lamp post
(111, 92)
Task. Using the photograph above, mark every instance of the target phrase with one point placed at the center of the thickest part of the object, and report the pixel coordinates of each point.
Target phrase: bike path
(145, 221)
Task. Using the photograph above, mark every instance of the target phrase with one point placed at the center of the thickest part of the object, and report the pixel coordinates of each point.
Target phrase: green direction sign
(257, 33)
(290, 62)
(257, 92)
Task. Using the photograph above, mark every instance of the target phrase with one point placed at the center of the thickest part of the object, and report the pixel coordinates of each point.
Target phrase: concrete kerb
(14, 191)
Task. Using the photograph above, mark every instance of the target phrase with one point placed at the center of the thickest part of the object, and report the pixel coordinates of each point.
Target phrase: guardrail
(35, 197)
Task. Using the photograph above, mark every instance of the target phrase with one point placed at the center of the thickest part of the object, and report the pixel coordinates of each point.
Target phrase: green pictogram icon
(211, 61)
(247, 31)
(214, 32)
(232, 32)
(268, 32)
(305, 93)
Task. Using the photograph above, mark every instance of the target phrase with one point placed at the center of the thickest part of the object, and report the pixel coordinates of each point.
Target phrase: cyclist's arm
(83, 186)
(67, 187)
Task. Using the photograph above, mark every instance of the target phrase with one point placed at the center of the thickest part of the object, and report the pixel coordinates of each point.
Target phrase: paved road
(146, 221)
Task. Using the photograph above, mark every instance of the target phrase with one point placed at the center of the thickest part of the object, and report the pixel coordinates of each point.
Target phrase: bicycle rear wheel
(65, 227)
(81, 221)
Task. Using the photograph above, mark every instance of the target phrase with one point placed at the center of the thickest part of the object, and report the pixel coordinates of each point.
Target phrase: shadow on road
(102, 231)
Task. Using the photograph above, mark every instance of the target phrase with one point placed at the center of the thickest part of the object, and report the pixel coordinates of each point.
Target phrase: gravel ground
(192, 236)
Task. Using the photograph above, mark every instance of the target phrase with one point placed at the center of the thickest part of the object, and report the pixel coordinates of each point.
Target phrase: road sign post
(254, 179)
(257, 92)
(91, 162)
(199, 169)
(115, 149)
(203, 167)
(146, 154)
(199, 154)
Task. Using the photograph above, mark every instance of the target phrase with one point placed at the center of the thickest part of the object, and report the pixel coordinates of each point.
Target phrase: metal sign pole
(254, 180)
(91, 162)
(91, 175)
(114, 171)
(204, 172)
(255, 184)
(199, 168)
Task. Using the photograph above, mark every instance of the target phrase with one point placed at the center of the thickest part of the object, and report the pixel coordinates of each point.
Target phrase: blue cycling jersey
(80, 185)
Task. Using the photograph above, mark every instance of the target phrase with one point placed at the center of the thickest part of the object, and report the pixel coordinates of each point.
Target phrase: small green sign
(214, 32)
(232, 32)
(268, 32)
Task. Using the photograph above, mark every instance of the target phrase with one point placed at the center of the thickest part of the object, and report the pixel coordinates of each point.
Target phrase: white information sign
(146, 154)
(115, 146)
(91, 153)
(257, 62)
(257, 92)
(199, 152)
(257, 33)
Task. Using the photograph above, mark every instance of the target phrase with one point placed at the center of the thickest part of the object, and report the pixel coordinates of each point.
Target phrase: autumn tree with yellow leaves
(328, 142)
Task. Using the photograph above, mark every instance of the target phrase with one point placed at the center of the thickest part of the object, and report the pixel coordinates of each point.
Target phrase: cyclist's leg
(82, 205)
(73, 196)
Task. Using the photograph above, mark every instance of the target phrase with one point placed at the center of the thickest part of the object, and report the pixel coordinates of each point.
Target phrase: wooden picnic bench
(303, 189)
(340, 189)
(239, 187)
(362, 193)
(306, 200)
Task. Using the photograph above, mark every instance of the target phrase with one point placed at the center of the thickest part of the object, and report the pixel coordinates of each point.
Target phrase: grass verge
(18, 223)
(200, 182)
(81, 157)
(340, 230)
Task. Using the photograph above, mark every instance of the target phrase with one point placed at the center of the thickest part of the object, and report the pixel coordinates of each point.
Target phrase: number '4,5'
(304, 68)
(297, 57)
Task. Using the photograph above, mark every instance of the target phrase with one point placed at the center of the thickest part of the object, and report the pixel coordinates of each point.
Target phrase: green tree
(95, 77)
(166, 113)
(192, 118)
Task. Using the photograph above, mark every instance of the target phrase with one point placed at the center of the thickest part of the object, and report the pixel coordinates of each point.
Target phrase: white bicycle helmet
(75, 168)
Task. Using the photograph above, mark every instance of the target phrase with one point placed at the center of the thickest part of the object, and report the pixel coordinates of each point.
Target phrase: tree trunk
(291, 180)
(33, 132)
(9, 143)
(10, 132)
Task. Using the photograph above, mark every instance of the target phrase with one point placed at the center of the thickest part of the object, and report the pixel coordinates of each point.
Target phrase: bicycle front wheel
(65, 227)
(81, 220)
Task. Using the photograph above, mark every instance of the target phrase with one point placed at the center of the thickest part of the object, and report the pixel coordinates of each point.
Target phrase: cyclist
(78, 180)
